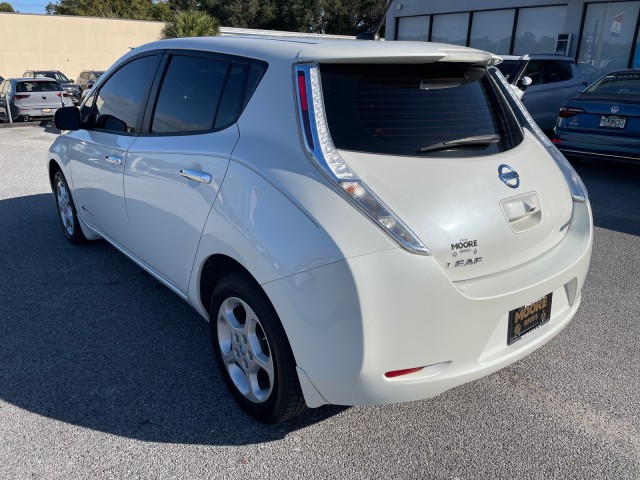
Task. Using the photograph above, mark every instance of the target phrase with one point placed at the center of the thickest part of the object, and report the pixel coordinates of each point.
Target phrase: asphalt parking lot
(104, 373)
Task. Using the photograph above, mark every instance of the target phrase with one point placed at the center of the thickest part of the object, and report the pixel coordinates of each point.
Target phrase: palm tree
(191, 23)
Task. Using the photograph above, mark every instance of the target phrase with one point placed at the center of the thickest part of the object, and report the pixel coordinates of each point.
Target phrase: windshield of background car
(55, 75)
(509, 68)
(406, 109)
(624, 83)
(42, 86)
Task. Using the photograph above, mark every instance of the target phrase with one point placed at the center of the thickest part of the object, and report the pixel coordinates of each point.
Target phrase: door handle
(196, 175)
(114, 159)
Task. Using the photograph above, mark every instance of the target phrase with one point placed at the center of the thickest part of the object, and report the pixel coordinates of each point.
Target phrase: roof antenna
(375, 35)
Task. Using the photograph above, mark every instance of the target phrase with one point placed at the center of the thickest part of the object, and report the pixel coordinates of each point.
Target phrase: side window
(534, 72)
(233, 96)
(189, 95)
(556, 71)
(85, 109)
(119, 102)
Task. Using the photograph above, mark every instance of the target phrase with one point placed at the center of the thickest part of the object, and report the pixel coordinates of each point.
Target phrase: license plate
(46, 110)
(612, 121)
(524, 319)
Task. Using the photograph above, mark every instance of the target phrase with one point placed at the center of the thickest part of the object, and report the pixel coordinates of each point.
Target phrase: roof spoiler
(375, 35)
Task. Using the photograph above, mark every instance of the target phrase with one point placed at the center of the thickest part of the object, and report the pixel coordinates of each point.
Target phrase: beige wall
(68, 44)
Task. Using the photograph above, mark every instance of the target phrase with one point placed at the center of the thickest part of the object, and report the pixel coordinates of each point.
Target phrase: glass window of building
(413, 28)
(538, 29)
(451, 28)
(491, 31)
(607, 37)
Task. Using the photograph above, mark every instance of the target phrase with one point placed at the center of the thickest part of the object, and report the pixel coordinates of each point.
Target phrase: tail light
(62, 94)
(20, 96)
(566, 112)
(315, 131)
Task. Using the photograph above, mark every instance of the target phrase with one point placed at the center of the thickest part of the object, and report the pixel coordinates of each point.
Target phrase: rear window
(38, 87)
(411, 109)
(625, 83)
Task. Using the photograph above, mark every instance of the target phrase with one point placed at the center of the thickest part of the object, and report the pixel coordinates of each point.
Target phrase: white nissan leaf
(361, 223)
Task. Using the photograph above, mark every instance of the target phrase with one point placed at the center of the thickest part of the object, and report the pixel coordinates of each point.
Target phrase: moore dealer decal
(462, 247)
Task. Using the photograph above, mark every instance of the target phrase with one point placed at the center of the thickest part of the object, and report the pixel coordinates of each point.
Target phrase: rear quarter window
(401, 109)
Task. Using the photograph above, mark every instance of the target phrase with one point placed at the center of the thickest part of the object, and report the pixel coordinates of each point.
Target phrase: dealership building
(600, 36)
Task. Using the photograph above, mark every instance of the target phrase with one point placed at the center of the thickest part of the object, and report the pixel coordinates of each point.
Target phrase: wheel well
(53, 168)
(215, 268)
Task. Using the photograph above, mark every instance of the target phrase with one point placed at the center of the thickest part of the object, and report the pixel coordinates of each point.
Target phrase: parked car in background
(604, 120)
(66, 83)
(31, 98)
(361, 222)
(543, 83)
(87, 78)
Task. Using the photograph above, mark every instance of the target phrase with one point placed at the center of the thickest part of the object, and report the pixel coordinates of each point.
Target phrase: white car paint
(354, 304)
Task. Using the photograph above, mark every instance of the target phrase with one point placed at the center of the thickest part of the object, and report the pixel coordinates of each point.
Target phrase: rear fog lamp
(399, 373)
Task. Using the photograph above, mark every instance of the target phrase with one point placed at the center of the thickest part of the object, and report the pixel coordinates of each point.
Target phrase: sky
(29, 6)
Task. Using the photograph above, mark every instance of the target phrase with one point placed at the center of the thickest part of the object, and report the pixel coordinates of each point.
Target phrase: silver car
(30, 98)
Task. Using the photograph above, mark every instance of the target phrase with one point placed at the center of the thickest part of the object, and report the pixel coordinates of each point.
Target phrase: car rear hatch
(39, 95)
(490, 200)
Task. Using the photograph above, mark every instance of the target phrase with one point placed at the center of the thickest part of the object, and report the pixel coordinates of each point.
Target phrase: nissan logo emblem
(615, 109)
(508, 176)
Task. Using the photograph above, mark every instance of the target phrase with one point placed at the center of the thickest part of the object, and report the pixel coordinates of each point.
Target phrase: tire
(67, 214)
(252, 351)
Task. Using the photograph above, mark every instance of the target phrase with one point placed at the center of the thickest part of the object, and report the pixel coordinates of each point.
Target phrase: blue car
(604, 120)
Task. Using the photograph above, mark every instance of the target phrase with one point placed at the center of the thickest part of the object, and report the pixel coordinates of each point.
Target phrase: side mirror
(89, 85)
(71, 80)
(67, 118)
(525, 81)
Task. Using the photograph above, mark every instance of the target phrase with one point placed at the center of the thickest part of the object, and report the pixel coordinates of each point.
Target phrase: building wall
(68, 44)
(604, 34)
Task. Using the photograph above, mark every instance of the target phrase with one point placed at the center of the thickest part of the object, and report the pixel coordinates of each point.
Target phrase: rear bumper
(351, 321)
(598, 146)
(33, 112)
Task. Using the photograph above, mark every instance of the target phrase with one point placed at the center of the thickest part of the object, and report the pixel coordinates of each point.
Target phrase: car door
(553, 84)
(174, 171)
(111, 121)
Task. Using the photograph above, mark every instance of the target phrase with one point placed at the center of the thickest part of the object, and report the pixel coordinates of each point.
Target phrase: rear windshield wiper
(477, 141)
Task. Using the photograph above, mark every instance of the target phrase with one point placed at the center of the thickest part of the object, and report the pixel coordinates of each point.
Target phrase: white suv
(361, 222)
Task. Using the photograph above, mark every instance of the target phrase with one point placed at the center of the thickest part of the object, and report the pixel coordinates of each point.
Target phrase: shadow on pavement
(88, 338)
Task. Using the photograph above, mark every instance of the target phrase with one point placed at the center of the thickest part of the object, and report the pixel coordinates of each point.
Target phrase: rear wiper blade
(478, 140)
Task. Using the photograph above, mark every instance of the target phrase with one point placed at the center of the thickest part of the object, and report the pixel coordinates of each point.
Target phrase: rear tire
(252, 350)
(67, 214)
